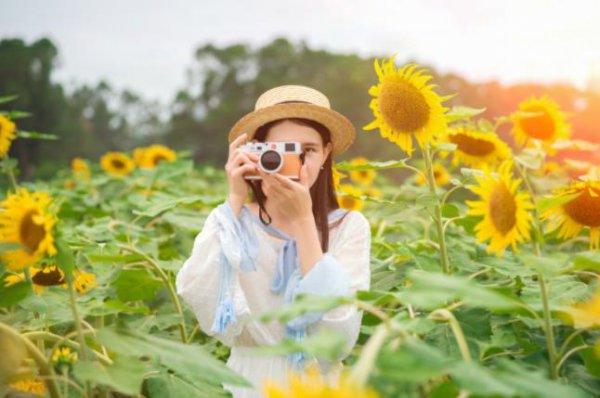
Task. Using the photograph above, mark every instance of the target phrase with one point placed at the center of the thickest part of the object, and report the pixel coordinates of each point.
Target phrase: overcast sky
(146, 45)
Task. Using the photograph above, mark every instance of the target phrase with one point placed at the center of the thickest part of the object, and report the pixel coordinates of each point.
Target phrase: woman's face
(310, 140)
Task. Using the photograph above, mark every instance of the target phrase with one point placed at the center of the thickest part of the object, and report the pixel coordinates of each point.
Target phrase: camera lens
(270, 161)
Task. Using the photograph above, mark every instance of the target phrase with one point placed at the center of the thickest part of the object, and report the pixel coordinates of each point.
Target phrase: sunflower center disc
(585, 209)
(118, 164)
(472, 146)
(539, 126)
(403, 106)
(48, 277)
(503, 209)
(158, 159)
(31, 233)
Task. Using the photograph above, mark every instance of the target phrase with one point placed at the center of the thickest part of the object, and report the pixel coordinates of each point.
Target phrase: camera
(284, 158)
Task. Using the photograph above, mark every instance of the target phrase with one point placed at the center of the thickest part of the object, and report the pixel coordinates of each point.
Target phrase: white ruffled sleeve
(208, 280)
(342, 270)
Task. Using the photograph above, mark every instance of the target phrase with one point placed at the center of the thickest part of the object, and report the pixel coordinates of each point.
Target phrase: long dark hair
(322, 193)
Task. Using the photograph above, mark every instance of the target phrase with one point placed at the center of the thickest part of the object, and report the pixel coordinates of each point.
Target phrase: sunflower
(506, 219)
(311, 384)
(36, 387)
(52, 275)
(151, 156)
(337, 176)
(440, 174)
(117, 163)
(581, 209)
(26, 219)
(363, 177)
(587, 313)
(7, 134)
(84, 281)
(80, 167)
(351, 198)
(404, 105)
(476, 148)
(540, 119)
(64, 356)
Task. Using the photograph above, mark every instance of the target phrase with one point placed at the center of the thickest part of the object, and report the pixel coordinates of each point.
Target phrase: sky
(146, 45)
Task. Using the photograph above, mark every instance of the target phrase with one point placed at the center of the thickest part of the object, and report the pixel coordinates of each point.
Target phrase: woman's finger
(243, 169)
(285, 182)
(237, 142)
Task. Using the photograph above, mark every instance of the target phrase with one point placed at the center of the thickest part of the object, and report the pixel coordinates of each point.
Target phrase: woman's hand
(238, 163)
(290, 198)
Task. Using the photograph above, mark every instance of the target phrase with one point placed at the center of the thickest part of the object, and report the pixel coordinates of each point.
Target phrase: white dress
(255, 257)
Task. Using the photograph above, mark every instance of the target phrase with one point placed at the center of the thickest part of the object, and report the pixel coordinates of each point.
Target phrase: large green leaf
(10, 295)
(124, 375)
(189, 361)
(136, 284)
(432, 290)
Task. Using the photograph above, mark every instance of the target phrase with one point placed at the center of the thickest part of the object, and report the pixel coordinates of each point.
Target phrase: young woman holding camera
(290, 238)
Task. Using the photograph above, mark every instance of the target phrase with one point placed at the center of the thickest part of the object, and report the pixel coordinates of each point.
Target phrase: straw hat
(292, 101)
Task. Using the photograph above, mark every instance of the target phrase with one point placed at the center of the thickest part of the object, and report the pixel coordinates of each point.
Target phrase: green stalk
(547, 323)
(437, 215)
(447, 316)
(11, 176)
(77, 319)
(548, 330)
(38, 357)
(366, 361)
(167, 282)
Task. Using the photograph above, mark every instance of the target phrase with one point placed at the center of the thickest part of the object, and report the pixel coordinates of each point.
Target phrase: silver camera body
(284, 158)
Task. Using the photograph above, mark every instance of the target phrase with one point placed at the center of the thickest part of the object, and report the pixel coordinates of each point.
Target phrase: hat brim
(342, 130)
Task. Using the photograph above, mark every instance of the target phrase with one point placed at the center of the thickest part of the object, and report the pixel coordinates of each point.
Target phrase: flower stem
(437, 212)
(77, 319)
(548, 330)
(167, 282)
(38, 357)
(11, 175)
(445, 315)
(366, 361)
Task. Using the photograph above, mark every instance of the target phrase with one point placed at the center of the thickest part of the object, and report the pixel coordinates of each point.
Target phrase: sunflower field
(484, 264)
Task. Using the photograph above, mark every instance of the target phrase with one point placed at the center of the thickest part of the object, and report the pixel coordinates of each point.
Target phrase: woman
(290, 238)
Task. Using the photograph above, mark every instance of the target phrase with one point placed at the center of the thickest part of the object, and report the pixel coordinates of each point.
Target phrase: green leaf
(531, 158)
(509, 378)
(432, 290)
(462, 112)
(126, 374)
(169, 203)
(6, 246)
(413, 361)
(450, 210)
(13, 115)
(325, 345)
(190, 361)
(170, 385)
(136, 284)
(427, 200)
(446, 146)
(304, 303)
(547, 203)
(64, 257)
(10, 295)
(587, 260)
(8, 98)
(390, 164)
(36, 135)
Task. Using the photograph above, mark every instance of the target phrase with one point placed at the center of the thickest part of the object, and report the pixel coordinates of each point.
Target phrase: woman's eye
(309, 149)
